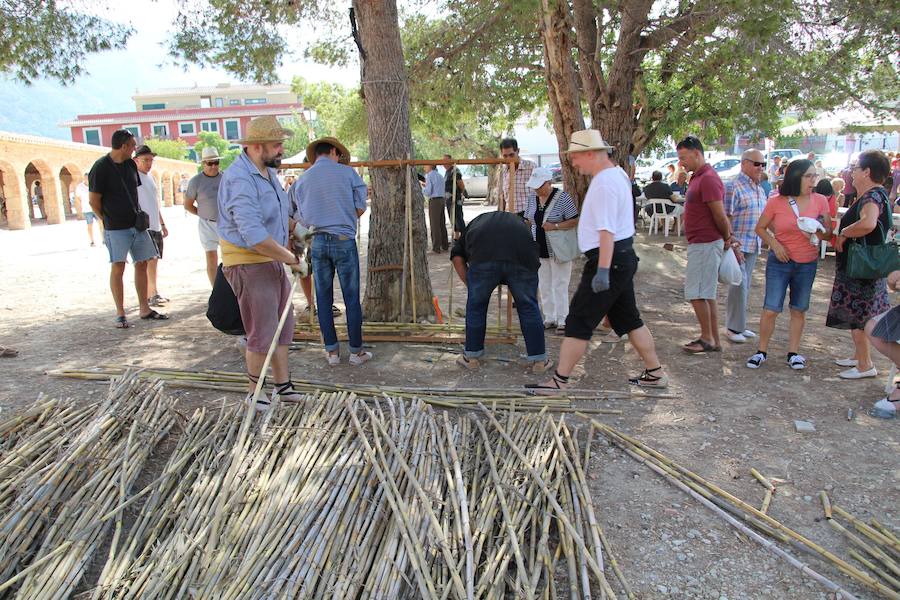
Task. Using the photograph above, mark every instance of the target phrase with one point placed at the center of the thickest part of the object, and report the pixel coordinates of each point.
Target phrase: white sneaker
(749, 334)
(755, 361)
(333, 359)
(855, 373)
(846, 362)
(362, 357)
(737, 338)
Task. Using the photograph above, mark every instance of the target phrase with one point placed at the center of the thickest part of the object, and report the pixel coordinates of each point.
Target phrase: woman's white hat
(539, 177)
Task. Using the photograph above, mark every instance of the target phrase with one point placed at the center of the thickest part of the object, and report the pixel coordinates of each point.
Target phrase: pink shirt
(784, 224)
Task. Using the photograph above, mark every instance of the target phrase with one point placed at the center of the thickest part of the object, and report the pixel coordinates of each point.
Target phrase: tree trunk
(562, 88)
(385, 93)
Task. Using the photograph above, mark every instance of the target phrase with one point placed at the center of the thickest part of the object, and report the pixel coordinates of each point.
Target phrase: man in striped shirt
(745, 200)
(330, 197)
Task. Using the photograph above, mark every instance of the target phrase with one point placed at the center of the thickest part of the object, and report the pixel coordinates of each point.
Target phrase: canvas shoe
(855, 373)
(846, 362)
(362, 357)
(749, 334)
(333, 359)
(736, 338)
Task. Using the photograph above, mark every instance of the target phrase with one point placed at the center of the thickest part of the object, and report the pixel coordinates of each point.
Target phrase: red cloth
(705, 187)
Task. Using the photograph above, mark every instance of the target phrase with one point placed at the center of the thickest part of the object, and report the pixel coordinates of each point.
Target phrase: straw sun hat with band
(343, 153)
(262, 130)
(585, 140)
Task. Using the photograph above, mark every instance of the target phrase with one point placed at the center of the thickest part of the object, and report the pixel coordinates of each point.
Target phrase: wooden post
(409, 237)
(452, 233)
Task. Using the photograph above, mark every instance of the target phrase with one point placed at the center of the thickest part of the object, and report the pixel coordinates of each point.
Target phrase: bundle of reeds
(435, 333)
(444, 397)
(68, 464)
(337, 497)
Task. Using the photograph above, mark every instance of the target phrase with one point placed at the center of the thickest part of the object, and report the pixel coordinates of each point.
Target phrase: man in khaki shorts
(200, 199)
(708, 233)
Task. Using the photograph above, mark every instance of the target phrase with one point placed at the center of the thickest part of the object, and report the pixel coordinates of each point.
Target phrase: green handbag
(873, 262)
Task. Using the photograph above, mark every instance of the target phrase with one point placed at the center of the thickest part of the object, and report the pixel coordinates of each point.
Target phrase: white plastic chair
(658, 213)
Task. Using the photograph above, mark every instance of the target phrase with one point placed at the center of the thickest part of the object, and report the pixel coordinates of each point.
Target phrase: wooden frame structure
(447, 328)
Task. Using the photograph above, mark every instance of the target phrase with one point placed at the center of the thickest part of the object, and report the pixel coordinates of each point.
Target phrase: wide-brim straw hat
(585, 140)
(265, 129)
(343, 153)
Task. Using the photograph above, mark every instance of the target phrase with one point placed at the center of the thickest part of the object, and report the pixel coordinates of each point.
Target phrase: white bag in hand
(729, 269)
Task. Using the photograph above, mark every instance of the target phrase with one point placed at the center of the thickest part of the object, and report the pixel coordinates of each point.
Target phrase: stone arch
(51, 206)
(13, 203)
(69, 177)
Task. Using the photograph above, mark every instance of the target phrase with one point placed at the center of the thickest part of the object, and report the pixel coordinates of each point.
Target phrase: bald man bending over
(744, 202)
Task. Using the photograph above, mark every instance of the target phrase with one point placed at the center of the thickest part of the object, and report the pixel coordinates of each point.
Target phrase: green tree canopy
(40, 38)
(210, 138)
(177, 149)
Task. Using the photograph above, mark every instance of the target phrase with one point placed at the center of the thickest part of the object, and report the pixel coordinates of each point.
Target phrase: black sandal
(704, 347)
(647, 379)
(155, 316)
(554, 388)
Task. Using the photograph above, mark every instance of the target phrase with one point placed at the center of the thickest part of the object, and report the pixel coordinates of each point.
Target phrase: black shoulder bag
(141, 218)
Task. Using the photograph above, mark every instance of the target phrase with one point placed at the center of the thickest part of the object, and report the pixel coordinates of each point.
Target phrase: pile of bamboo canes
(62, 464)
(458, 398)
(332, 498)
(882, 545)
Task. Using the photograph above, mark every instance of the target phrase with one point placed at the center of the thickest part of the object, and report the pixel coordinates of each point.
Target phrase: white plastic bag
(730, 269)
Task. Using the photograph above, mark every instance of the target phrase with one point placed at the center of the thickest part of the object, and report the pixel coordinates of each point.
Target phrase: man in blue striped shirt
(330, 196)
(434, 192)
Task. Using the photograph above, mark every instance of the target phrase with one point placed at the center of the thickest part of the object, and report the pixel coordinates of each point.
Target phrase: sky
(112, 77)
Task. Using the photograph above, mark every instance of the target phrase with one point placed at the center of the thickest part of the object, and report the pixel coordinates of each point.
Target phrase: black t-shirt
(448, 183)
(117, 183)
(497, 236)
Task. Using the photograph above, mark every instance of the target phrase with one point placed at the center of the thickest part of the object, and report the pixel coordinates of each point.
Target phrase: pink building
(172, 123)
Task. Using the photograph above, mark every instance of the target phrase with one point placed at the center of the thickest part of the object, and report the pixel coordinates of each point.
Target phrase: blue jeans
(332, 254)
(781, 275)
(482, 279)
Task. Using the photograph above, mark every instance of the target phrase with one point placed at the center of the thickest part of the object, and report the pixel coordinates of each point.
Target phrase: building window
(220, 102)
(232, 129)
(187, 128)
(153, 106)
(134, 129)
(92, 136)
(212, 126)
(205, 102)
(234, 102)
(255, 101)
(160, 130)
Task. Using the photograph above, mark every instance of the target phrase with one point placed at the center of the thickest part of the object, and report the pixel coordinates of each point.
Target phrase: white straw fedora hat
(587, 139)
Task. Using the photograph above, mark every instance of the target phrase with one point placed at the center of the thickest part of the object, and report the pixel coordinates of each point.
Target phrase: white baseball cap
(539, 177)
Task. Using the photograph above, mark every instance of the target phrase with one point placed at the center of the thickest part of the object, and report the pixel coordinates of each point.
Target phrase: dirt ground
(721, 420)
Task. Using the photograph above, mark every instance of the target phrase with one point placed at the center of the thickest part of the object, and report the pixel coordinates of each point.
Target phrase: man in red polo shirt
(708, 233)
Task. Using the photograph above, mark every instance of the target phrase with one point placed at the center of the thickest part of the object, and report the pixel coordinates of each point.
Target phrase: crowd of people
(260, 225)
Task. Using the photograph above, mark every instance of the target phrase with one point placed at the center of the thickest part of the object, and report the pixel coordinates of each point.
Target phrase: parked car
(784, 153)
(556, 170)
(727, 167)
(642, 174)
(476, 180)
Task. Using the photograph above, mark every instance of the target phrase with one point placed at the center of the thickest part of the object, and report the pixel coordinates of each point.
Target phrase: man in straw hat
(606, 289)
(330, 197)
(201, 199)
(253, 224)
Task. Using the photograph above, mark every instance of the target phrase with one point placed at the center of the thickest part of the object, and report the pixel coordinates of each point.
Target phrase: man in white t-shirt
(606, 289)
(148, 197)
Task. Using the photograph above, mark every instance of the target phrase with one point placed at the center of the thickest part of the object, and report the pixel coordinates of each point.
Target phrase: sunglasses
(212, 163)
(755, 163)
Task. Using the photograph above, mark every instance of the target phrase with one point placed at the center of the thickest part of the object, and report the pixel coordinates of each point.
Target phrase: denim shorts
(121, 242)
(781, 275)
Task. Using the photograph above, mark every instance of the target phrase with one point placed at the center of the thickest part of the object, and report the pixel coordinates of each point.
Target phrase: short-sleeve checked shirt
(744, 203)
(523, 174)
